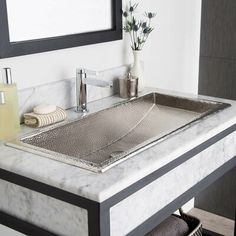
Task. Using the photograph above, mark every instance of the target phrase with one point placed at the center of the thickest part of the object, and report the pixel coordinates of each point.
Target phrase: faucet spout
(84, 77)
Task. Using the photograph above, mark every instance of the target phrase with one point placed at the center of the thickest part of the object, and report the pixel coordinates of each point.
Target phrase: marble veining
(100, 187)
(62, 93)
(46, 212)
(164, 190)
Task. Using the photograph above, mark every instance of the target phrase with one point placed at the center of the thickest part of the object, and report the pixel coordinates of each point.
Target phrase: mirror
(28, 26)
(50, 18)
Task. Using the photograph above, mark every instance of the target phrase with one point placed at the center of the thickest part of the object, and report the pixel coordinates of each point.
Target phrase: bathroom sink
(101, 140)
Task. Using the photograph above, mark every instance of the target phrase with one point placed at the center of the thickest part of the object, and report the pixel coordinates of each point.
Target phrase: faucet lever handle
(98, 83)
(91, 73)
(87, 73)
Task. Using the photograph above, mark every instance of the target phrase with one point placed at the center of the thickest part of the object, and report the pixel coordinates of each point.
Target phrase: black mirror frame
(8, 49)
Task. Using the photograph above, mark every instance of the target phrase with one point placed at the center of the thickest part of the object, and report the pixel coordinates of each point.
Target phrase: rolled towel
(172, 226)
(35, 120)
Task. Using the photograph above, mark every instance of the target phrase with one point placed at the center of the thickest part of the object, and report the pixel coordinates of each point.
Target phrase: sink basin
(101, 140)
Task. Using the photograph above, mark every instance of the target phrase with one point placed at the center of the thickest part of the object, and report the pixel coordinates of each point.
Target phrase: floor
(214, 223)
(5, 231)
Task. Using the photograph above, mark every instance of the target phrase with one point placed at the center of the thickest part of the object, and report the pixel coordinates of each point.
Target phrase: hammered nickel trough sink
(101, 140)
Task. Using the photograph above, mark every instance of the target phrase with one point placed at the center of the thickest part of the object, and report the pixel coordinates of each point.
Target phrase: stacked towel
(36, 120)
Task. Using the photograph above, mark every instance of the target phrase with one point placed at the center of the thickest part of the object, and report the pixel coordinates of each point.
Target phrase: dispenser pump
(7, 78)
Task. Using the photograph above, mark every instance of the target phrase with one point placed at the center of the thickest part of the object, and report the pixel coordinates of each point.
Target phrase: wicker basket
(194, 224)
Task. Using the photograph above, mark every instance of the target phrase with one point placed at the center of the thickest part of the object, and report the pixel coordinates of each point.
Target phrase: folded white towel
(35, 120)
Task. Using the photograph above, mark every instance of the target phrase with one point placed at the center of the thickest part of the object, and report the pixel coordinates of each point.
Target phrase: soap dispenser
(9, 116)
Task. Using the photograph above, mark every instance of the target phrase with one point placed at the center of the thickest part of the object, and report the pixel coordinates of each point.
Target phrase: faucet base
(81, 110)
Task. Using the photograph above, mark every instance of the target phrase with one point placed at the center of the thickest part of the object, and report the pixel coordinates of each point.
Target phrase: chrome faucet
(84, 77)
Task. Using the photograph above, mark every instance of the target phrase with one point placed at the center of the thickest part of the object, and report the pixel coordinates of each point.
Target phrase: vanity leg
(235, 223)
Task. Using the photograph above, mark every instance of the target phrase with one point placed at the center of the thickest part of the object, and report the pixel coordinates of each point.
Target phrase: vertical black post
(98, 220)
(235, 223)
(104, 220)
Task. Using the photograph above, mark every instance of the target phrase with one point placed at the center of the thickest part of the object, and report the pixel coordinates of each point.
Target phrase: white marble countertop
(101, 186)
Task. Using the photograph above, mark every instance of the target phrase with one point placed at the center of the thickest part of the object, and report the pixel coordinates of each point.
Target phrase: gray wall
(217, 77)
(217, 74)
(220, 197)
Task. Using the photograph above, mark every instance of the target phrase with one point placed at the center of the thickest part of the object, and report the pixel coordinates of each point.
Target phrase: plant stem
(131, 40)
(136, 33)
(146, 36)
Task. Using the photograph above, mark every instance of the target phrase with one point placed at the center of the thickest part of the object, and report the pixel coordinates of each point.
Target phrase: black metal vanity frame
(10, 49)
(99, 213)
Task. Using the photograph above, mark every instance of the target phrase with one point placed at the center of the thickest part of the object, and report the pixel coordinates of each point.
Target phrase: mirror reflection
(52, 18)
